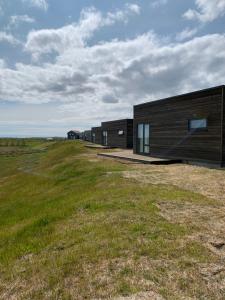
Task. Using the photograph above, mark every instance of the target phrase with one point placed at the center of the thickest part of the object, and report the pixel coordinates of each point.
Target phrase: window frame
(198, 128)
(143, 124)
(120, 132)
(105, 137)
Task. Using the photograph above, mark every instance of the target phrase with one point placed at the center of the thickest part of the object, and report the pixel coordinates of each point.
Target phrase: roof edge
(183, 95)
(128, 119)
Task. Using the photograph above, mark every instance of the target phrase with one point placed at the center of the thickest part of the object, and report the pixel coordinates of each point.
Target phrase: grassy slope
(72, 228)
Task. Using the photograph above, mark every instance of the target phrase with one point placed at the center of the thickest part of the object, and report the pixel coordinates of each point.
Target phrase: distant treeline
(12, 142)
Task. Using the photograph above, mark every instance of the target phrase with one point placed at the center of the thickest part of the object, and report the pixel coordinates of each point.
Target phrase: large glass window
(146, 138)
(105, 138)
(195, 124)
(120, 132)
(93, 137)
(143, 138)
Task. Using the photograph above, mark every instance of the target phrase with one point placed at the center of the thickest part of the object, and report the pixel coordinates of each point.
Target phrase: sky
(72, 64)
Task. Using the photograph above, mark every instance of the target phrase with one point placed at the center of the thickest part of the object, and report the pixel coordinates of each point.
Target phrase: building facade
(73, 135)
(118, 133)
(86, 136)
(96, 135)
(189, 127)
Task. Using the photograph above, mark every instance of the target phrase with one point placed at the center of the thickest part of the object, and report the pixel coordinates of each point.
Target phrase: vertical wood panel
(87, 135)
(223, 127)
(114, 139)
(170, 136)
(98, 134)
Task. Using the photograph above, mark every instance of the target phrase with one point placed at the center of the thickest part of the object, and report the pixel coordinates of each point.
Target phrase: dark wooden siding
(114, 139)
(223, 127)
(98, 134)
(169, 134)
(130, 133)
(87, 135)
(71, 135)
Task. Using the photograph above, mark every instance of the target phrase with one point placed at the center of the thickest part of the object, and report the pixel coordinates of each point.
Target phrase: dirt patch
(211, 270)
(209, 221)
(207, 217)
(142, 296)
(206, 280)
(205, 181)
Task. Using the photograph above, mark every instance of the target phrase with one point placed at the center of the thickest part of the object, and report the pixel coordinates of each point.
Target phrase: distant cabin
(190, 127)
(118, 133)
(73, 135)
(86, 135)
(96, 135)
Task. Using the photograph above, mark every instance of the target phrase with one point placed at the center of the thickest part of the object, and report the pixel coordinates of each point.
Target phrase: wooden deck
(130, 156)
(97, 146)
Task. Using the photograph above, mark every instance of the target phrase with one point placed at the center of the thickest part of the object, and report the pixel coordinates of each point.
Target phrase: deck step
(130, 156)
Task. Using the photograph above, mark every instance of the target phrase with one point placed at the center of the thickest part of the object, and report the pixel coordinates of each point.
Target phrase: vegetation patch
(72, 226)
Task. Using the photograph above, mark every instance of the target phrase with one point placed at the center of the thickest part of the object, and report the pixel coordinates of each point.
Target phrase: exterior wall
(169, 133)
(223, 127)
(71, 135)
(114, 139)
(130, 134)
(87, 135)
(98, 135)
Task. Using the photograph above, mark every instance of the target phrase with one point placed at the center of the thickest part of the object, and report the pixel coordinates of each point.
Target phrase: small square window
(196, 124)
(120, 132)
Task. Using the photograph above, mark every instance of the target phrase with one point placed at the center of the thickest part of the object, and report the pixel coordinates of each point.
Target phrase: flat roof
(120, 120)
(186, 95)
(74, 131)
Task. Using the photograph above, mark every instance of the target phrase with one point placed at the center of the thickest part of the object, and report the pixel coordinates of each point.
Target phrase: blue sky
(72, 64)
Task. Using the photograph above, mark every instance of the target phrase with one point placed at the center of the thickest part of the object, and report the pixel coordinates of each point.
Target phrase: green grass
(8, 142)
(74, 224)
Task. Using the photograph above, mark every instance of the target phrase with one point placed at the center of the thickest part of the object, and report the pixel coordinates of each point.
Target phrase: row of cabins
(118, 133)
(189, 127)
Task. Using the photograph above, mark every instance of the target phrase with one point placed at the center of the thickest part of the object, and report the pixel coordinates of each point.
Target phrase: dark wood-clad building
(118, 133)
(86, 136)
(190, 127)
(96, 135)
(73, 135)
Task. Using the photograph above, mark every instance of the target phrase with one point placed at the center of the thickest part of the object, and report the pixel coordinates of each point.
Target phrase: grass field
(76, 226)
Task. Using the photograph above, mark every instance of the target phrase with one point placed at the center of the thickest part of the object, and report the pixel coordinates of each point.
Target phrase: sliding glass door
(143, 138)
(105, 138)
(93, 137)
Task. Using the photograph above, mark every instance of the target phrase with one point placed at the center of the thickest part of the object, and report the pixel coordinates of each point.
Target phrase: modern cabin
(118, 133)
(86, 136)
(190, 127)
(73, 135)
(96, 135)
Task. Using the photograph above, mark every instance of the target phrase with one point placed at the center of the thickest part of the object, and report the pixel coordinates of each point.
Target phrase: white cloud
(92, 83)
(8, 38)
(1, 7)
(70, 36)
(41, 4)
(158, 3)
(18, 19)
(2, 64)
(207, 10)
(75, 35)
(118, 72)
(134, 8)
(121, 15)
(186, 34)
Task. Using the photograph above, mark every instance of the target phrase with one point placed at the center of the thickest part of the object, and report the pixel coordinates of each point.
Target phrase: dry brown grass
(111, 230)
(205, 181)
